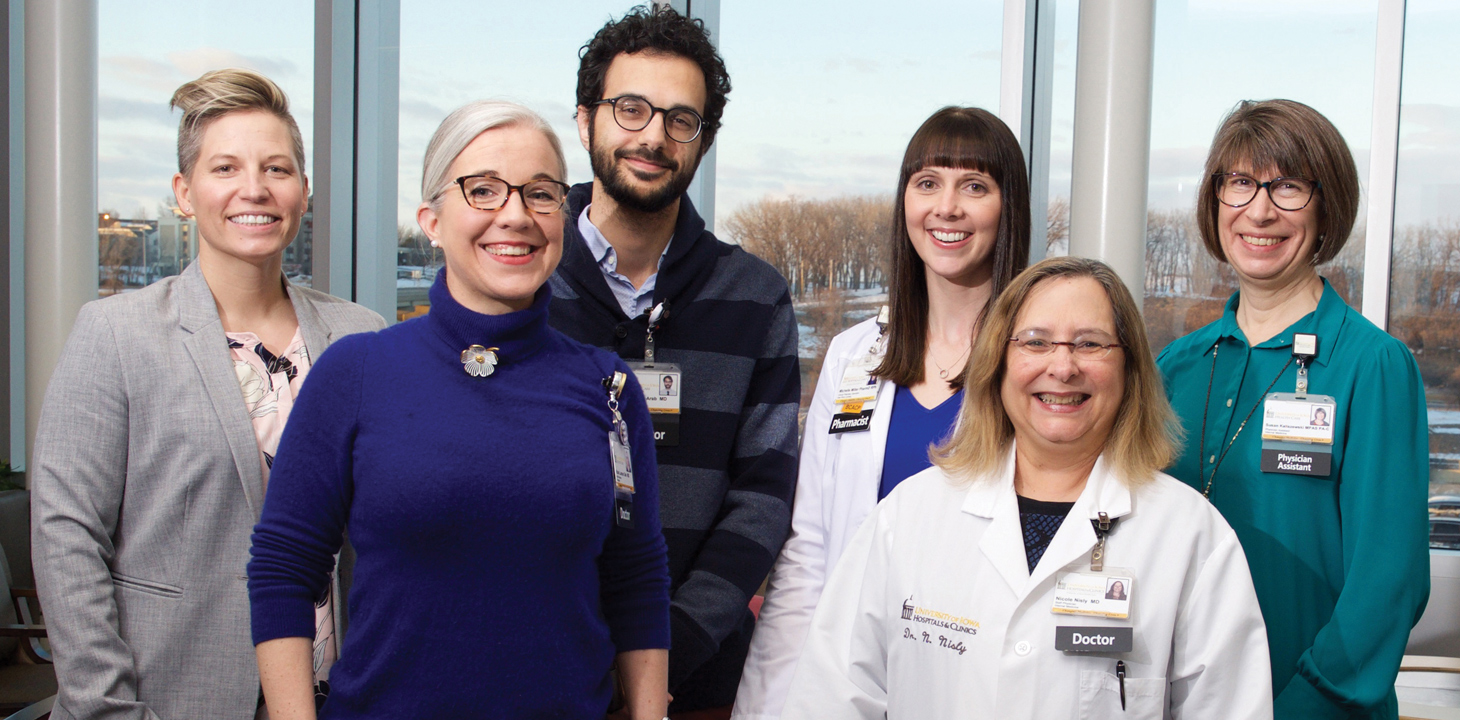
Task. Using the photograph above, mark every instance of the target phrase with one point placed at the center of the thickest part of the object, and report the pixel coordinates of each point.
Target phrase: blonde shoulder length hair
(1145, 437)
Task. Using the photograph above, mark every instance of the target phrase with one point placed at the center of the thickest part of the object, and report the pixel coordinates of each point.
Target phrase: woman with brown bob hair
(1048, 492)
(890, 387)
(1332, 515)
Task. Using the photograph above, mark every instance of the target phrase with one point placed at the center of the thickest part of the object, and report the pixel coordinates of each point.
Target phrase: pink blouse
(270, 384)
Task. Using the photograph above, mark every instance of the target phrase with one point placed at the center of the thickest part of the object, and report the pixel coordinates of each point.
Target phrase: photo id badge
(663, 386)
(623, 480)
(1297, 434)
(1100, 594)
(856, 397)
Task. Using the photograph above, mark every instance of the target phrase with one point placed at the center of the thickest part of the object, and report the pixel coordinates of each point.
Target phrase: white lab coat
(956, 554)
(836, 488)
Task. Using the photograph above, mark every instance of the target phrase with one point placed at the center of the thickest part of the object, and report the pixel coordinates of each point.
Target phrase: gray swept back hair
(219, 93)
(462, 126)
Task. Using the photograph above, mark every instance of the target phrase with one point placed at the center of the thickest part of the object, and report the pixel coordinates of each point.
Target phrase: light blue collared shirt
(634, 301)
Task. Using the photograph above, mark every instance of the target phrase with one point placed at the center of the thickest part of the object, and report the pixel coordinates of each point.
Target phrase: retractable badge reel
(663, 383)
(1097, 592)
(1297, 427)
(618, 452)
(856, 396)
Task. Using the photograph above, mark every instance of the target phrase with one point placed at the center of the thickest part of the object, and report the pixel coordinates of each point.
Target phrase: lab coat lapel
(1076, 537)
(208, 347)
(1003, 542)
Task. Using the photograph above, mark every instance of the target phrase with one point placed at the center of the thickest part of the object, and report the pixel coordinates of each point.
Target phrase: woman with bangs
(891, 386)
(1305, 423)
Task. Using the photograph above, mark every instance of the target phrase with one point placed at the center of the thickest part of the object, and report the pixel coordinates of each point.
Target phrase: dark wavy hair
(656, 29)
(969, 139)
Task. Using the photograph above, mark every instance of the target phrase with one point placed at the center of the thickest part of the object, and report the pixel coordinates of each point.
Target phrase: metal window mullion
(1025, 100)
(334, 147)
(15, 106)
(377, 139)
(1383, 160)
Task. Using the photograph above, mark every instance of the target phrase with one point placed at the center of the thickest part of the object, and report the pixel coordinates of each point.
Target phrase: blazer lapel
(317, 334)
(208, 348)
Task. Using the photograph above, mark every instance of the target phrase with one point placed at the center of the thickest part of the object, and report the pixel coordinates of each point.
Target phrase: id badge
(663, 386)
(856, 396)
(1097, 594)
(623, 480)
(1297, 434)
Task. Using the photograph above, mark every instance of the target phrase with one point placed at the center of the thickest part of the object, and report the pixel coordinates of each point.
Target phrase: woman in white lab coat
(978, 588)
(960, 233)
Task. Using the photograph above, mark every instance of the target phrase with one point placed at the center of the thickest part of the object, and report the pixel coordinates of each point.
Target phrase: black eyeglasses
(634, 113)
(1237, 190)
(485, 192)
(1084, 347)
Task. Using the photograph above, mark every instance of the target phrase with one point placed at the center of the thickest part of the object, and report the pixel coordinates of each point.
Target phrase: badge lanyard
(663, 383)
(1201, 443)
(618, 452)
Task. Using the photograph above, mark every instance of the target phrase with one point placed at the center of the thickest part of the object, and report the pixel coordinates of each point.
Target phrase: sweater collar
(691, 248)
(516, 335)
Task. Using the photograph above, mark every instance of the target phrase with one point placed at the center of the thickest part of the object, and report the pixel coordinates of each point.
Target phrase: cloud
(1429, 126)
(1247, 9)
(109, 108)
(156, 77)
(195, 62)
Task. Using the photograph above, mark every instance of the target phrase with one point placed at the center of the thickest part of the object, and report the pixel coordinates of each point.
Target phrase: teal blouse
(1340, 563)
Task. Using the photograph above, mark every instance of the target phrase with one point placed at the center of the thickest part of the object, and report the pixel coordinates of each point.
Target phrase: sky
(825, 94)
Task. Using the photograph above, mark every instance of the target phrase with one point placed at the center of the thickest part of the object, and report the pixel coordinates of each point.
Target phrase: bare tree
(817, 244)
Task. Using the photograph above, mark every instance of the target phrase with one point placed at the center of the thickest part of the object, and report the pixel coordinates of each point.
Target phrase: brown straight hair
(1145, 436)
(1292, 140)
(968, 139)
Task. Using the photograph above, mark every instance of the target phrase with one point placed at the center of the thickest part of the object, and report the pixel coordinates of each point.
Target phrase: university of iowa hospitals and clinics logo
(938, 618)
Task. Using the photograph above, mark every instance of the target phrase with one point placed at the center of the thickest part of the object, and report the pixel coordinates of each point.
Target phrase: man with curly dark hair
(642, 276)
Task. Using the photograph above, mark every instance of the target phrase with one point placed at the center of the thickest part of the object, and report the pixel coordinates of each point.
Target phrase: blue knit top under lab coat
(491, 578)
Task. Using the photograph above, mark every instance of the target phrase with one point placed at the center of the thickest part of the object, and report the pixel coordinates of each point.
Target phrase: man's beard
(608, 173)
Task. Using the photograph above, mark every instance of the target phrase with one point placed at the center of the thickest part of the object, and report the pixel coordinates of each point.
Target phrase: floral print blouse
(270, 384)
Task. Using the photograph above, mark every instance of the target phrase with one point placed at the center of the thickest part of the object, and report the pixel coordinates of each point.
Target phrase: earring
(435, 243)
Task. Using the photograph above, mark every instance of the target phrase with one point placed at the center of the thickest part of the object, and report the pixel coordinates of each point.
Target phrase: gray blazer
(146, 485)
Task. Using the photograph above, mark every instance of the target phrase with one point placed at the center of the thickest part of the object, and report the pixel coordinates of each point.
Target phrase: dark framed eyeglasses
(1084, 347)
(634, 113)
(485, 192)
(1287, 193)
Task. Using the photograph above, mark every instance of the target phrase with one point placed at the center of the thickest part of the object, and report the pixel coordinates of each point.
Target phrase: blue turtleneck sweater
(491, 577)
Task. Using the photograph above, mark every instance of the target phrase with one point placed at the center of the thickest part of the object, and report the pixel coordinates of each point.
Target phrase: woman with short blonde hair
(160, 426)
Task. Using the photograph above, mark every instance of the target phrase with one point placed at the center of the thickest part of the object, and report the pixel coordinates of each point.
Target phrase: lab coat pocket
(1145, 698)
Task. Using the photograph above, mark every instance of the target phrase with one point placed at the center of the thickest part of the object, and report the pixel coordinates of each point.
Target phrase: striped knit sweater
(726, 488)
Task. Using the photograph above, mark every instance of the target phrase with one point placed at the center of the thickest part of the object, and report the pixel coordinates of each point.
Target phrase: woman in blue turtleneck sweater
(468, 454)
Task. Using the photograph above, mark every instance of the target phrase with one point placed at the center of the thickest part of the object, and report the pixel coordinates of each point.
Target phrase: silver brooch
(479, 361)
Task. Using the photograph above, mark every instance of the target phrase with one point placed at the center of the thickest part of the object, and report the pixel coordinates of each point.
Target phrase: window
(826, 97)
(454, 53)
(1424, 292)
(1210, 55)
(140, 233)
